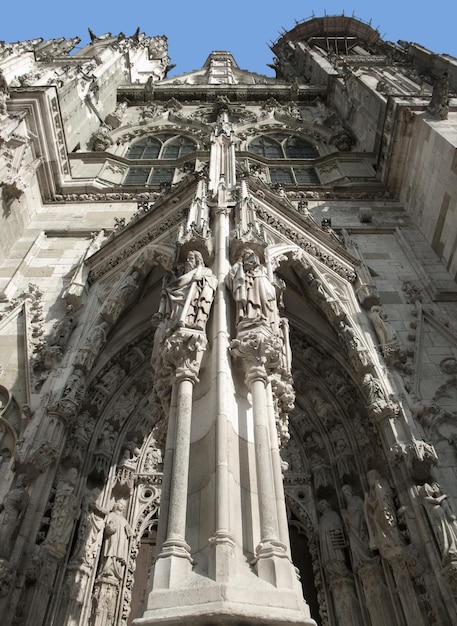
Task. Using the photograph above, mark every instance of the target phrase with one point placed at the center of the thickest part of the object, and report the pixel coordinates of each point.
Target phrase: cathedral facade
(228, 336)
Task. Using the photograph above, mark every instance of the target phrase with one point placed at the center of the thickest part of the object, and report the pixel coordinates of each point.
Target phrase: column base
(221, 563)
(212, 604)
(273, 565)
(173, 565)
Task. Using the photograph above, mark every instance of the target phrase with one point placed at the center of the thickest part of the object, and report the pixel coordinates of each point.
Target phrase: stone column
(184, 349)
(283, 526)
(272, 561)
(222, 542)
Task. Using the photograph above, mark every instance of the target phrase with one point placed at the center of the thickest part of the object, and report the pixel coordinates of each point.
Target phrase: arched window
(282, 146)
(161, 146)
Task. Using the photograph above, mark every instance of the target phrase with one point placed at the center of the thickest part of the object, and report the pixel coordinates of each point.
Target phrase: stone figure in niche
(385, 332)
(343, 453)
(292, 457)
(153, 460)
(253, 292)
(332, 541)
(115, 303)
(375, 393)
(186, 300)
(90, 527)
(381, 516)
(63, 329)
(89, 351)
(64, 511)
(130, 453)
(11, 511)
(116, 543)
(354, 518)
(442, 518)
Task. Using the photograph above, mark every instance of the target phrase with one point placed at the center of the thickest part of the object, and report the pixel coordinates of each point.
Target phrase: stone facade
(228, 339)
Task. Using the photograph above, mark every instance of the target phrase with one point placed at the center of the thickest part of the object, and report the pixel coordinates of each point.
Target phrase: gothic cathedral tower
(228, 338)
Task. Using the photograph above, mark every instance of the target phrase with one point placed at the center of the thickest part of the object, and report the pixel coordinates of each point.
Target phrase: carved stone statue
(101, 139)
(90, 527)
(11, 511)
(63, 329)
(116, 544)
(63, 513)
(253, 292)
(116, 302)
(186, 300)
(332, 541)
(442, 519)
(89, 351)
(386, 334)
(381, 517)
(357, 529)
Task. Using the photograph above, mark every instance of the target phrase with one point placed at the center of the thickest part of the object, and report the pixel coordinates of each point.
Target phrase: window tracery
(285, 147)
(164, 146)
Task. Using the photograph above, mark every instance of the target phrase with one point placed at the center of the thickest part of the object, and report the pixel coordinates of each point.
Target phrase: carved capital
(260, 352)
(183, 351)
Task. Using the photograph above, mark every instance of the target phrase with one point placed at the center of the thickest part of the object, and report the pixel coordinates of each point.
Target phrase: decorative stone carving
(67, 407)
(107, 385)
(442, 518)
(90, 526)
(332, 541)
(153, 460)
(180, 338)
(114, 119)
(354, 347)
(354, 518)
(119, 299)
(11, 512)
(378, 404)
(104, 450)
(42, 456)
(57, 343)
(64, 512)
(101, 139)
(186, 300)
(386, 335)
(253, 292)
(87, 354)
(381, 517)
(116, 543)
(439, 103)
(343, 454)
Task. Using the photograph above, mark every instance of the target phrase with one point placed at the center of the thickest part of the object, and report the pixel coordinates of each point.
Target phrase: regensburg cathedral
(228, 333)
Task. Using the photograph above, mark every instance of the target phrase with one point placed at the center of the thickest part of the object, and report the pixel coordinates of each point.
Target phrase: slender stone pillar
(222, 542)
(174, 562)
(272, 559)
(277, 474)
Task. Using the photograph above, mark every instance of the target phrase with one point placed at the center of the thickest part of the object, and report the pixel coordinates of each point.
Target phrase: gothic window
(162, 146)
(149, 175)
(294, 176)
(152, 148)
(146, 148)
(283, 146)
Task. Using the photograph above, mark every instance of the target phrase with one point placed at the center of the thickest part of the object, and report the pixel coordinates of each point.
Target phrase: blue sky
(245, 27)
